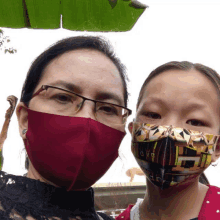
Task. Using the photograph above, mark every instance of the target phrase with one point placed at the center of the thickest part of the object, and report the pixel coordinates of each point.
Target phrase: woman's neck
(33, 174)
(183, 201)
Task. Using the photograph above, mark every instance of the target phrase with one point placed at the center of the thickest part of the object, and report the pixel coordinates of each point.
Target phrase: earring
(24, 131)
(214, 164)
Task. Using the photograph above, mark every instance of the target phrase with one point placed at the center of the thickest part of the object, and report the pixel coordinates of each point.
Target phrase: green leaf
(113, 3)
(12, 14)
(82, 15)
(44, 14)
(98, 15)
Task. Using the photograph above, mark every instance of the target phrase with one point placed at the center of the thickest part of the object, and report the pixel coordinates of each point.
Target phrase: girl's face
(186, 99)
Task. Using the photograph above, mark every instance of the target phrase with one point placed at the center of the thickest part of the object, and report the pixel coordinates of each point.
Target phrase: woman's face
(86, 72)
(186, 99)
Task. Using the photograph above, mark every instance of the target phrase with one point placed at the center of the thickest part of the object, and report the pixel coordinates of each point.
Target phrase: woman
(71, 117)
(174, 139)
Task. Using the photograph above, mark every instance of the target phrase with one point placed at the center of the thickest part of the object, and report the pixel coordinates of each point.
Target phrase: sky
(173, 31)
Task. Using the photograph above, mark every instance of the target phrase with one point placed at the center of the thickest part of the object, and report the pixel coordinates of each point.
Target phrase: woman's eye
(152, 115)
(108, 110)
(195, 122)
(63, 98)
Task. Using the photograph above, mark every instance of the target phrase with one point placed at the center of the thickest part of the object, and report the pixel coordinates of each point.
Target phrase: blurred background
(173, 31)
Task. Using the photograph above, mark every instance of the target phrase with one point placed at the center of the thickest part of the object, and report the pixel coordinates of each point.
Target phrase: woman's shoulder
(22, 196)
(211, 207)
(104, 216)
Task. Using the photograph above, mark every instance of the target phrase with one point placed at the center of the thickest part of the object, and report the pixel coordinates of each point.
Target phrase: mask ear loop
(13, 101)
(132, 128)
(214, 164)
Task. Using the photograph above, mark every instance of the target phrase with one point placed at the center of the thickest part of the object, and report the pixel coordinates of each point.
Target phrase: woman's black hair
(36, 70)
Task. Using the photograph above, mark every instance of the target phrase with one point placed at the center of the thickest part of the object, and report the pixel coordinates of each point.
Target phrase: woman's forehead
(89, 70)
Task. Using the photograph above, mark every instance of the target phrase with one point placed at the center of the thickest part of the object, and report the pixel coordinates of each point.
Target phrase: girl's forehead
(188, 86)
(181, 81)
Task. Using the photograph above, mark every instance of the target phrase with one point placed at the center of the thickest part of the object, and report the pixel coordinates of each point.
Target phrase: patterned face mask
(169, 155)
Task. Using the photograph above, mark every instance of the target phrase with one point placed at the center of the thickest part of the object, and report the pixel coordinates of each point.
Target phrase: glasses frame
(45, 87)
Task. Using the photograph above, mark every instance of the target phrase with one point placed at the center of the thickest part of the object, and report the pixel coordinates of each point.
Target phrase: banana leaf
(44, 14)
(80, 15)
(13, 14)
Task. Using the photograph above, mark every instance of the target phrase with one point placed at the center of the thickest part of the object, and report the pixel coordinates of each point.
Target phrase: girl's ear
(22, 116)
(130, 126)
(216, 154)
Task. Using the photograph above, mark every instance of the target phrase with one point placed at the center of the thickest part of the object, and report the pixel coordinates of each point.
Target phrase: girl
(174, 139)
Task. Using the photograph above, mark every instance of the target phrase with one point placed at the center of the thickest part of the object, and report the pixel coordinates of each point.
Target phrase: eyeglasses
(64, 102)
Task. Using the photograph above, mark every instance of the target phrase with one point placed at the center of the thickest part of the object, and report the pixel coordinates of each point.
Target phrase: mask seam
(73, 182)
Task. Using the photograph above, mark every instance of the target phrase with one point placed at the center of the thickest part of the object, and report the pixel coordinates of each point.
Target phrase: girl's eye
(152, 115)
(195, 122)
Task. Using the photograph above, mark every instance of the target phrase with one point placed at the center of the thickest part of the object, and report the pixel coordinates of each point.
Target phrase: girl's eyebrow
(192, 105)
(189, 107)
(154, 99)
(196, 105)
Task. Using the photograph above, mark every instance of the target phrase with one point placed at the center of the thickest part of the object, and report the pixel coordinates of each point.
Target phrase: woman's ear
(130, 126)
(22, 116)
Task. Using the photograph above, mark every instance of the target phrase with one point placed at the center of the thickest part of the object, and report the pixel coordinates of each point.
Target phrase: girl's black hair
(186, 66)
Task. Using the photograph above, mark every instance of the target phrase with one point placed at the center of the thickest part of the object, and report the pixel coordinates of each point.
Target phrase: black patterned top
(25, 198)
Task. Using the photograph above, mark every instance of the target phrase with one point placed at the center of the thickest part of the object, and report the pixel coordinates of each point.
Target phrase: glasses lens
(61, 102)
(66, 103)
(110, 114)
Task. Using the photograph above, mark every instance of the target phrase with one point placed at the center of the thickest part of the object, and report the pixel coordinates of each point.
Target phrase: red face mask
(71, 152)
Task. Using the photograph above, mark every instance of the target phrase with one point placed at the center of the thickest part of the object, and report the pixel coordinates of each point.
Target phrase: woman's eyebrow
(108, 95)
(101, 95)
(66, 85)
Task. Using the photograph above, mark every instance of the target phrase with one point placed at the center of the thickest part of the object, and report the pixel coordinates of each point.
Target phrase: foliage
(4, 40)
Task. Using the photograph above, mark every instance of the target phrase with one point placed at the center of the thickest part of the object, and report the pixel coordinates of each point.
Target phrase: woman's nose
(87, 110)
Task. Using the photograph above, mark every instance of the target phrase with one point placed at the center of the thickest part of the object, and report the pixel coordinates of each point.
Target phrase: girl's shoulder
(125, 215)
(132, 212)
(211, 207)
